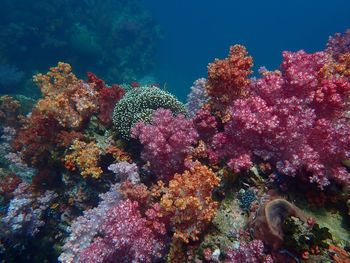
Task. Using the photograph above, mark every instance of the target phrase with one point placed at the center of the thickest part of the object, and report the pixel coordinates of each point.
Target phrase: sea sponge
(269, 221)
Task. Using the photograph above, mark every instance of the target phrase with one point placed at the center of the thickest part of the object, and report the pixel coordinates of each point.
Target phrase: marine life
(113, 167)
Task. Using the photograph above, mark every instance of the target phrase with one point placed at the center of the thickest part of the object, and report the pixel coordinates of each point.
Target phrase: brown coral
(9, 111)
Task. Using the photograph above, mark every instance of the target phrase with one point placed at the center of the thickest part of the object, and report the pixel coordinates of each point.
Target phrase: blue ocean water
(197, 32)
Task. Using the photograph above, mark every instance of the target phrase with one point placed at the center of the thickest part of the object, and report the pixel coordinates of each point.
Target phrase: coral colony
(127, 173)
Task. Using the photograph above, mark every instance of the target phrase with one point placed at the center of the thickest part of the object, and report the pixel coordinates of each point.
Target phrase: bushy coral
(25, 213)
(85, 156)
(107, 98)
(139, 104)
(339, 44)
(127, 236)
(56, 80)
(85, 227)
(205, 124)
(67, 100)
(8, 184)
(166, 142)
(295, 120)
(228, 79)
(125, 171)
(9, 111)
(36, 139)
(188, 203)
(67, 104)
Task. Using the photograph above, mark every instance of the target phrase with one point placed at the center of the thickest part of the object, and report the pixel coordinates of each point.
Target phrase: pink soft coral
(166, 142)
(127, 238)
(295, 120)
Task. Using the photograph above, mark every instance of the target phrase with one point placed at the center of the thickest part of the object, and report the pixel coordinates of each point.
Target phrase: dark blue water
(197, 32)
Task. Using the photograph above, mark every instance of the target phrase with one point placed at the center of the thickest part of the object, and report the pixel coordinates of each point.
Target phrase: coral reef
(86, 156)
(259, 173)
(107, 98)
(21, 217)
(252, 252)
(197, 98)
(84, 228)
(126, 236)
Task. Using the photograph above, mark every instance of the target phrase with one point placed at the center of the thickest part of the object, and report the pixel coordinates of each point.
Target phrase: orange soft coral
(56, 80)
(66, 99)
(136, 192)
(118, 154)
(187, 201)
(227, 79)
(72, 106)
(86, 156)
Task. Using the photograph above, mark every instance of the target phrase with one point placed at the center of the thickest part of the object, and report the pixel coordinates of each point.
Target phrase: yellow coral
(339, 68)
(86, 157)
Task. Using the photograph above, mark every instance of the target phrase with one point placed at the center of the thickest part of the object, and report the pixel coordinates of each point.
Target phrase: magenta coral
(295, 120)
(127, 237)
(166, 142)
(205, 124)
(339, 44)
(252, 252)
(300, 74)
